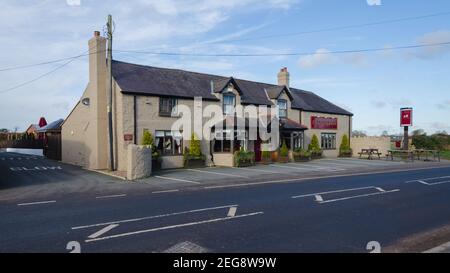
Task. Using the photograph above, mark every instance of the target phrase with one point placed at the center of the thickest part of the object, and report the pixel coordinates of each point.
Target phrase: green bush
(284, 151)
(344, 149)
(244, 158)
(314, 147)
(147, 140)
(299, 152)
(195, 148)
(266, 155)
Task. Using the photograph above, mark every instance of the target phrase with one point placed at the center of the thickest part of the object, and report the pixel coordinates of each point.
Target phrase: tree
(385, 133)
(314, 145)
(284, 151)
(357, 133)
(418, 132)
(345, 144)
(195, 148)
(147, 139)
(4, 130)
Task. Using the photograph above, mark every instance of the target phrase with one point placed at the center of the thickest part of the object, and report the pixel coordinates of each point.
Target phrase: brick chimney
(283, 77)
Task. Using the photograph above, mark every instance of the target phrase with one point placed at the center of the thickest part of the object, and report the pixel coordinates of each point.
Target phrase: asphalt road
(333, 214)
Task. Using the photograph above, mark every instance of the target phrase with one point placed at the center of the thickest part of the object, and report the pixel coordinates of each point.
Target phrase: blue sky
(371, 85)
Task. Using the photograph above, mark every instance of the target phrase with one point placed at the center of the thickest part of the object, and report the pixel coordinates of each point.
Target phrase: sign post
(406, 120)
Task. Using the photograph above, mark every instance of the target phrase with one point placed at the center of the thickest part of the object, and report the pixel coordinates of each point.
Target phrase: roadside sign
(406, 117)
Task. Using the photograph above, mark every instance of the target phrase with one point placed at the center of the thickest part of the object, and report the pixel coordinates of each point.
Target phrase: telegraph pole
(110, 94)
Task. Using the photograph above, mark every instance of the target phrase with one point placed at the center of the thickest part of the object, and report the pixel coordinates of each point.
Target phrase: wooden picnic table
(370, 153)
(418, 154)
(425, 154)
(409, 154)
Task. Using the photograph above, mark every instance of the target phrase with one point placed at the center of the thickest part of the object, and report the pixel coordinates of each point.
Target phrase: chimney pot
(283, 77)
(97, 33)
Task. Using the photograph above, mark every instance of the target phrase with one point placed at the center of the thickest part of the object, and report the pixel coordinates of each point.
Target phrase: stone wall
(139, 162)
(383, 144)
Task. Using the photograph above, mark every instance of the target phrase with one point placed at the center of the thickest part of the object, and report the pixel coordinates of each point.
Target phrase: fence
(22, 144)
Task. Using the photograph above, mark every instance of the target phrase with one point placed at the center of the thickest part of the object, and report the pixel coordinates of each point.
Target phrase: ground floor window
(293, 140)
(169, 143)
(227, 141)
(328, 141)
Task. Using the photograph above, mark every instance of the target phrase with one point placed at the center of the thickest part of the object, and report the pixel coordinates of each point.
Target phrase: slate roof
(53, 126)
(154, 81)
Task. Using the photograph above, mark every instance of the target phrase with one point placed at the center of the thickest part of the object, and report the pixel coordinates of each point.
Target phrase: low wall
(172, 162)
(139, 163)
(223, 159)
(37, 152)
(383, 144)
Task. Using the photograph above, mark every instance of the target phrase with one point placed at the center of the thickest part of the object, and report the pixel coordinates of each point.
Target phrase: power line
(285, 54)
(45, 63)
(72, 59)
(384, 22)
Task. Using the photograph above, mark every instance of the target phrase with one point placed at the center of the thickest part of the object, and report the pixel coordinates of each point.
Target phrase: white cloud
(441, 36)
(321, 57)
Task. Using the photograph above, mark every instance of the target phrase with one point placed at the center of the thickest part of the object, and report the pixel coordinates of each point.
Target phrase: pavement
(331, 205)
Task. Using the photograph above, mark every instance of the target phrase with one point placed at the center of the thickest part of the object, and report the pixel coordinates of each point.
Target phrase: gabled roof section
(275, 92)
(308, 101)
(153, 81)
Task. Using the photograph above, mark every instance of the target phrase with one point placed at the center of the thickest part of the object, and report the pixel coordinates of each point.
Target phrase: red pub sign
(324, 123)
(406, 117)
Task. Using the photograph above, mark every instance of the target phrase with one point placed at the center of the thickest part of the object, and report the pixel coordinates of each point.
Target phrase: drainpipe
(135, 119)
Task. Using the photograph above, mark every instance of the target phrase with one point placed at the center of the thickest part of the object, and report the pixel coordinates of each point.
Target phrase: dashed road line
(358, 196)
(255, 170)
(329, 192)
(110, 196)
(167, 191)
(36, 203)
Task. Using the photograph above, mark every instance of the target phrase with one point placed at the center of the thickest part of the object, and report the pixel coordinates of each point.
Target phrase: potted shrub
(193, 157)
(147, 140)
(344, 149)
(300, 155)
(314, 148)
(244, 158)
(284, 153)
(266, 157)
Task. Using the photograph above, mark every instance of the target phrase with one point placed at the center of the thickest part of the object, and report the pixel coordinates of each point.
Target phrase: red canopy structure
(42, 122)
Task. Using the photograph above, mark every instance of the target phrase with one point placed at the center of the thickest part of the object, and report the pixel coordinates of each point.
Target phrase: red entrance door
(258, 153)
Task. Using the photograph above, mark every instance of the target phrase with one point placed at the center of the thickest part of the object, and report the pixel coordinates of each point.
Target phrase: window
(222, 141)
(167, 106)
(328, 141)
(229, 102)
(282, 105)
(169, 143)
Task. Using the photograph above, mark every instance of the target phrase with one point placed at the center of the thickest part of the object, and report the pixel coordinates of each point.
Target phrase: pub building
(146, 98)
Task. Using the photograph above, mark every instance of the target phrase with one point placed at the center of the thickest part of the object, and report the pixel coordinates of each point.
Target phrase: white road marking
(177, 179)
(167, 191)
(292, 180)
(254, 170)
(380, 189)
(433, 184)
(297, 168)
(102, 231)
(319, 198)
(224, 174)
(232, 212)
(439, 249)
(427, 179)
(37, 203)
(328, 192)
(174, 226)
(358, 196)
(110, 196)
(153, 217)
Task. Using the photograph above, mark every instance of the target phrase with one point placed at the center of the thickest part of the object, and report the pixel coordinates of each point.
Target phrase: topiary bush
(314, 147)
(244, 158)
(344, 149)
(300, 155)
(193, 156)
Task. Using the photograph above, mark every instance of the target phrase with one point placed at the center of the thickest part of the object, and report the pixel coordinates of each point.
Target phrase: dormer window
(229, 103)
(282, 105)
